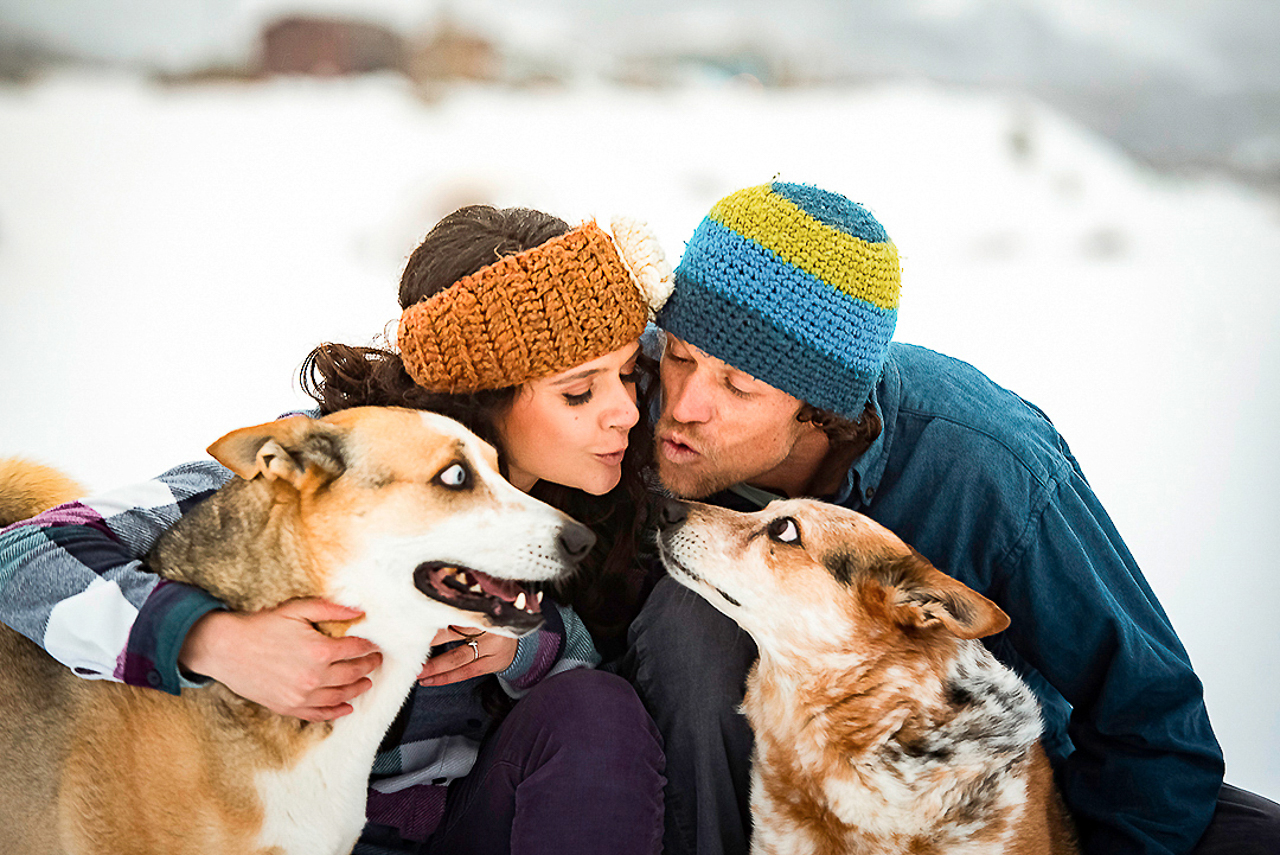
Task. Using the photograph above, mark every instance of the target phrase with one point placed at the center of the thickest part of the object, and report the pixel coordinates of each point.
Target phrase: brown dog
(396, 512)
(881, 725)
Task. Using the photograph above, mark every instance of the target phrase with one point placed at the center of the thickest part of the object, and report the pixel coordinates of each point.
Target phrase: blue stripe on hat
(833, 210)
(737, 301)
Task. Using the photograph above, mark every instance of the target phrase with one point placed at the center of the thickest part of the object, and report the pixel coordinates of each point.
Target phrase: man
(780, 379)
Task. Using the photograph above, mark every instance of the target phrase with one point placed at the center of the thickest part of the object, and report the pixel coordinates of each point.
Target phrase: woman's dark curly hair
(607, 589)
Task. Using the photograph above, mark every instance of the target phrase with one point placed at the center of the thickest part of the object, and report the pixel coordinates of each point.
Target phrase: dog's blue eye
(454, 477)
(784, 530)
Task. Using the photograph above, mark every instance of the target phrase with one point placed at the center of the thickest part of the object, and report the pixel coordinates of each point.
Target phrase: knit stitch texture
(526, 316)
(794, 285)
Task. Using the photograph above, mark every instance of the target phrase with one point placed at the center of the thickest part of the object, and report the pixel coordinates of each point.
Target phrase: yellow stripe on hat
(862, 269)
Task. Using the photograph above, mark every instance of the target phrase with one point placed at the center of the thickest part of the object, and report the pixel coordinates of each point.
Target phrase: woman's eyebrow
(578, 375)
(590, 372)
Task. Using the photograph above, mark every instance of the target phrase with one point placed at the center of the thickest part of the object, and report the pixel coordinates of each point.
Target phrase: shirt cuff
(151, 657)
(536, 654)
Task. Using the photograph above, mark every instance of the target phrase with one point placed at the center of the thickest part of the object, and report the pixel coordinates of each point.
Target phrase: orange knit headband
(538, 312)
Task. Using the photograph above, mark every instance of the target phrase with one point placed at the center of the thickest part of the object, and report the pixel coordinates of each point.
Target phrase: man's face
(720, 426)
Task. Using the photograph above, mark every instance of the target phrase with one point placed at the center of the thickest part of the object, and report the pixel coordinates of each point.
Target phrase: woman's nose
(622, 412)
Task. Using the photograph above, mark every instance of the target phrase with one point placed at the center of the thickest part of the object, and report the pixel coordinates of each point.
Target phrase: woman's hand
(484, 653)
(277, 658)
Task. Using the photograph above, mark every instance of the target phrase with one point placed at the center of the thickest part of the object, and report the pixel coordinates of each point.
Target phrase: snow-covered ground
(169, 255)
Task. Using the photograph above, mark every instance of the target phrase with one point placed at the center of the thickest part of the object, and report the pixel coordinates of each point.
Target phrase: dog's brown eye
(784, 530)
(455, 477)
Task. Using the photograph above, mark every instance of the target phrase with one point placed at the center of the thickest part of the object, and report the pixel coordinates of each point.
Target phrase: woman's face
(571, 428)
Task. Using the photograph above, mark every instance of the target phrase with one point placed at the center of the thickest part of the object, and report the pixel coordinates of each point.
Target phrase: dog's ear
(295, 450)
(924, 598)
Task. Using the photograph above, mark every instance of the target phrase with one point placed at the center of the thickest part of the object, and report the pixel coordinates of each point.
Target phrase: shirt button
(153, 678)
(869, 492)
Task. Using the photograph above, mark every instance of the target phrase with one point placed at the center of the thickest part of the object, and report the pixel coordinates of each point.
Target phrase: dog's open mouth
(504, 601)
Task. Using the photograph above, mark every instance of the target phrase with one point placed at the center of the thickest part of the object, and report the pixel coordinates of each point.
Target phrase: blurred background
(1085, 194)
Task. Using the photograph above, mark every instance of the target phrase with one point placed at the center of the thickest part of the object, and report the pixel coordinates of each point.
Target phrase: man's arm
(1146, 769)
(1001, 504)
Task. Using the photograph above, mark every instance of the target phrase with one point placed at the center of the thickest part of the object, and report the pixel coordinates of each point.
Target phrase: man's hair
(848, 438)
(863, 430)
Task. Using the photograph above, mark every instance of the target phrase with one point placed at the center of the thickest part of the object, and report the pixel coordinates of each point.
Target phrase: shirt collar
(755, 495)
(863, 478)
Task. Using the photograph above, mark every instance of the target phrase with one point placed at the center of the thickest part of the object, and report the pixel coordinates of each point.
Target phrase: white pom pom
(644, 258)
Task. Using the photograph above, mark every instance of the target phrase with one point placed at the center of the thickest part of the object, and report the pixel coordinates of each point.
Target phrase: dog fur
(372, 508)
(27, 488)
(881, 725)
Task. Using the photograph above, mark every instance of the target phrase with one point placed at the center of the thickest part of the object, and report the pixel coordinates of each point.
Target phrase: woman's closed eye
(577, 399)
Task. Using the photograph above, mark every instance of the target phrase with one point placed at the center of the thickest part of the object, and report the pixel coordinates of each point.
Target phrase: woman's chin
(595, 486)
(601, 489)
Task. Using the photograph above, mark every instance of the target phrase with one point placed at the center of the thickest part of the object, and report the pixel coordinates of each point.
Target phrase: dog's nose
(672, 512)
(576, 541)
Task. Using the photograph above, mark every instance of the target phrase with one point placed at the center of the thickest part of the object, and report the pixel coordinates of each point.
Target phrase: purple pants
(576, 767)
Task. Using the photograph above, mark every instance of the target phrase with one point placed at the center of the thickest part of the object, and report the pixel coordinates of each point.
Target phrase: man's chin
(684, 482)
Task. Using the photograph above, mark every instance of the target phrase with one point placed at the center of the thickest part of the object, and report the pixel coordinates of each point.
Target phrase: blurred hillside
(1184, 85)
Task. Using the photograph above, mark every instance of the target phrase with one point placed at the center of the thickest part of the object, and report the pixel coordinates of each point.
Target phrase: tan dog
(881, 725)
(397, 512)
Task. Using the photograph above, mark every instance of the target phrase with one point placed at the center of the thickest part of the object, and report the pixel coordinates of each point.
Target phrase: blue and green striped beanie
(794, 285)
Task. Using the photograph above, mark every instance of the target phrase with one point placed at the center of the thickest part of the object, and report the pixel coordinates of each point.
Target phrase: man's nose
(688, 399)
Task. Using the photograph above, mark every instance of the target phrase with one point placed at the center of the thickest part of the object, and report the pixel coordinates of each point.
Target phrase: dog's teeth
(520, 600)
(538, 597)
(476, 589)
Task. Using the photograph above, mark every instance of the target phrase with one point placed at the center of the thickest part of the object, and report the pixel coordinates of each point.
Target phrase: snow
(168, 255)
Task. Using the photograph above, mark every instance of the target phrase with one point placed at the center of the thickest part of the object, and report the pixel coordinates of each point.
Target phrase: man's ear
(924, 598)
(293, 450)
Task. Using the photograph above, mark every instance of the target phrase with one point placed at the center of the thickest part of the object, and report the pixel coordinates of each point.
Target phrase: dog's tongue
(510, 591)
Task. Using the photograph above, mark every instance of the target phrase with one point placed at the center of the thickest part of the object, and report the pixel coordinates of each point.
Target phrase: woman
(539, 427)
(525, 330)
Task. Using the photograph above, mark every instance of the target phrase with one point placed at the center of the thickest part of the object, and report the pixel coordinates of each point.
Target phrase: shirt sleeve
(74, 580)
(1146, 769)
(562, 643)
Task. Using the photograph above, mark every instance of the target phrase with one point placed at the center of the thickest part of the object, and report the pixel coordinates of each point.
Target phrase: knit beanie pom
(796, 286)
(643, 255)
